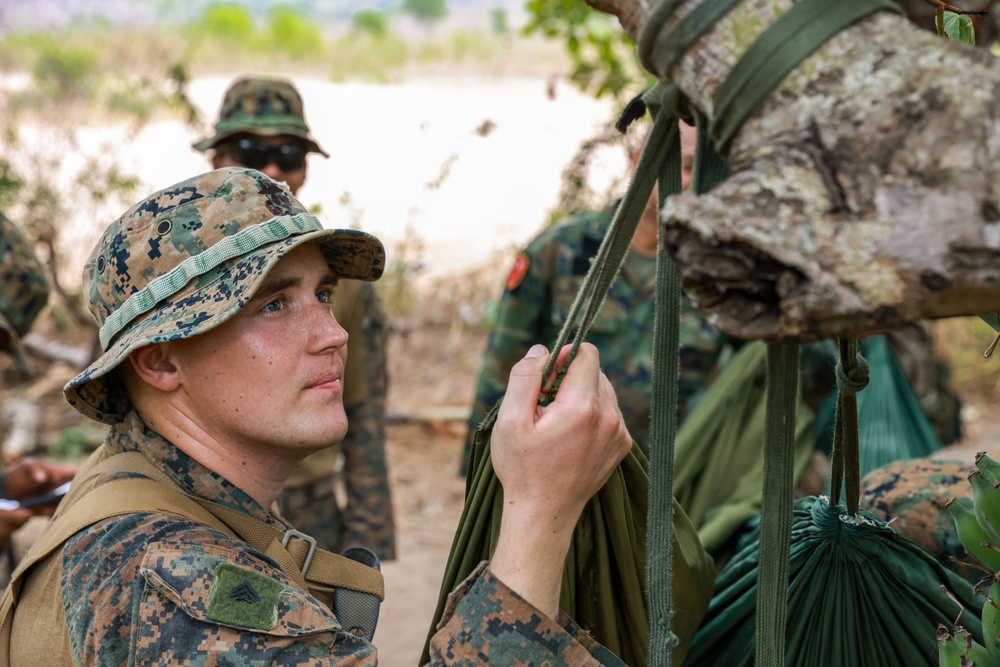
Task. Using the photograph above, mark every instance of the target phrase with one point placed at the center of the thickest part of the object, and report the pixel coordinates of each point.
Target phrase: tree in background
(426, 11)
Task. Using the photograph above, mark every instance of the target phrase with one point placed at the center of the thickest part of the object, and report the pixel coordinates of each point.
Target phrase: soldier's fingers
(525, 382)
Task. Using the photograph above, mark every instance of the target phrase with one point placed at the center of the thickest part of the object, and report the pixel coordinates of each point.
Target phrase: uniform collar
(192, 477)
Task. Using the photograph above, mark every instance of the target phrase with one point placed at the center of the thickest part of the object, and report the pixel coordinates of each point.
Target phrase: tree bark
(864, 192)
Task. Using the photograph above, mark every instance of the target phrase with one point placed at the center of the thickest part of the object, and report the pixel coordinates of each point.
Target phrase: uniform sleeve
(524, 302)
(156, 589)
(368, 517)
(486, 622)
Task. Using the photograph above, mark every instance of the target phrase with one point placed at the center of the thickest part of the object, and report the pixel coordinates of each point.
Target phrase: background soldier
(23, 293)
(541, 288)
(262, 126)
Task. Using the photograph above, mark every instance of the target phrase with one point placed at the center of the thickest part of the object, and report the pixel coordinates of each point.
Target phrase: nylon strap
(660, 49)
(663, 427)
(852, 376)
(776, 507)
(327, 570)
(777, 51)
(606, 264)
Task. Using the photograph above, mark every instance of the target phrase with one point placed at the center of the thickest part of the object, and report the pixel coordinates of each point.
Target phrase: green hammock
(607, 555)
(892, 426)
(859, 595)
(719, 462)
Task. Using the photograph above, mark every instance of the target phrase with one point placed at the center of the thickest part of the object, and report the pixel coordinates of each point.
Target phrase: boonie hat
(186, 259)
(262, 106)
(23, 289)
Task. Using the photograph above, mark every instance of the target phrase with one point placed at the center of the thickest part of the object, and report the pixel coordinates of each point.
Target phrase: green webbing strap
(852, 377)
(663, 426)
(777, 51)
(776, 508)
(660, 49)
(606, 264)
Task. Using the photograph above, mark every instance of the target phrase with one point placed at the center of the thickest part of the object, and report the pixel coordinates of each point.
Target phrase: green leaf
(992, 319)
(959, 26)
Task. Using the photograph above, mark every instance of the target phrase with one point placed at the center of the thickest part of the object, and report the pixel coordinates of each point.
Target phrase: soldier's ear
(153, 365)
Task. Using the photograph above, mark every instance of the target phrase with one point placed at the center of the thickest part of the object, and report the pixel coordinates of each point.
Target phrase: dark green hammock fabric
(892, 426)
(719, 461)
(859, 595)
(603, 586)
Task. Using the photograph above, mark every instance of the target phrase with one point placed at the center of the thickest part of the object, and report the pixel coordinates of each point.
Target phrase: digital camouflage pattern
(23, 289)
(911, 496)
(537, 298)
(166, 590)
(186, 259)
(469, 634)
(264, 106)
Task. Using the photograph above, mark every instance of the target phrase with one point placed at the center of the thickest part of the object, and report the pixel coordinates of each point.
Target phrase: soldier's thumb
(526, 380)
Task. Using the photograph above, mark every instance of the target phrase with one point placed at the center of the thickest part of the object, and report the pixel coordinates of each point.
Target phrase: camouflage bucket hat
(186, 259)
(267, 107)
(23, 289)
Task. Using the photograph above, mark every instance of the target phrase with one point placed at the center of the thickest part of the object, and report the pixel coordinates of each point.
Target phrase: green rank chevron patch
(243, 597)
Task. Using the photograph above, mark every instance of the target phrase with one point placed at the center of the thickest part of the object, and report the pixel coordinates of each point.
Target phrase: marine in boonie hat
(23, 290)
(263, 106)
(186, 259)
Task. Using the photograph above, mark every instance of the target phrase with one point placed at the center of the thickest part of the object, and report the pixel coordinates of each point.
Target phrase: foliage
(426, 11)
(957, 26)
(292, 32)
(498, 22)
(227, 22)
(370, 21)
(603, 56)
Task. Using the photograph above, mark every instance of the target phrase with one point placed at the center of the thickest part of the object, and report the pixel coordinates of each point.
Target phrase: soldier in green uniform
(222, 368)
(537, 297)
(262, 126)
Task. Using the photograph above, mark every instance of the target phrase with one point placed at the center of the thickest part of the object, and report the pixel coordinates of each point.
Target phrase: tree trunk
(864, 192)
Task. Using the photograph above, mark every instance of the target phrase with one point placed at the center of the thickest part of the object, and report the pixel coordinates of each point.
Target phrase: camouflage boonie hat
(186, 259)
(23, 289)
(266, 107)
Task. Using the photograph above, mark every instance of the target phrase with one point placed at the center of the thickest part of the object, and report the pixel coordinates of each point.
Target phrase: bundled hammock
(859, 595)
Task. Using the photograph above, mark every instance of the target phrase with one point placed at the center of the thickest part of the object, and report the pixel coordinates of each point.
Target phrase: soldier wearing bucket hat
(222, 367)
(262, 126)
(23, 290)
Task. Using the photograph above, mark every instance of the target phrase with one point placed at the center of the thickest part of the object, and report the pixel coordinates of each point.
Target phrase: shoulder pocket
(225, 586)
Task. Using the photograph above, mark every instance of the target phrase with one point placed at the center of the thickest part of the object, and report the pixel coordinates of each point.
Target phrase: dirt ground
(434, 381)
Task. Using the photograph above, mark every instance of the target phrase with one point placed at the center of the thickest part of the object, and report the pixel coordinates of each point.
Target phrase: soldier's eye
(274, 305)
(325, 295)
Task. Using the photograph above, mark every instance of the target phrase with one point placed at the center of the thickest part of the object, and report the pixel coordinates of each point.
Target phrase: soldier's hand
(551, 460)
(11, 520)
(30, 477)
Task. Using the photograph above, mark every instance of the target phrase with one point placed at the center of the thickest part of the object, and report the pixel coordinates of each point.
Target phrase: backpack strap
(337, 580)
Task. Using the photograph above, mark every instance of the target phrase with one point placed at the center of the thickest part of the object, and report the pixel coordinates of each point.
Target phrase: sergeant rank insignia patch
(244, 598)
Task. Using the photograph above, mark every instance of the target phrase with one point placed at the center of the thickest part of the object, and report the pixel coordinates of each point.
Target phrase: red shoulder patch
(517, 272)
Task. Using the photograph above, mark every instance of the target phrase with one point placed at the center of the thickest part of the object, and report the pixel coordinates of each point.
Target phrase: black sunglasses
(256, 154)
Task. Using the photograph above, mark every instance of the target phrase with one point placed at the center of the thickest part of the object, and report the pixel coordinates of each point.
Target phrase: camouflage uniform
(912, 495)
(151, 586)
(270, 107)
(537, 297)
(23, 289)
